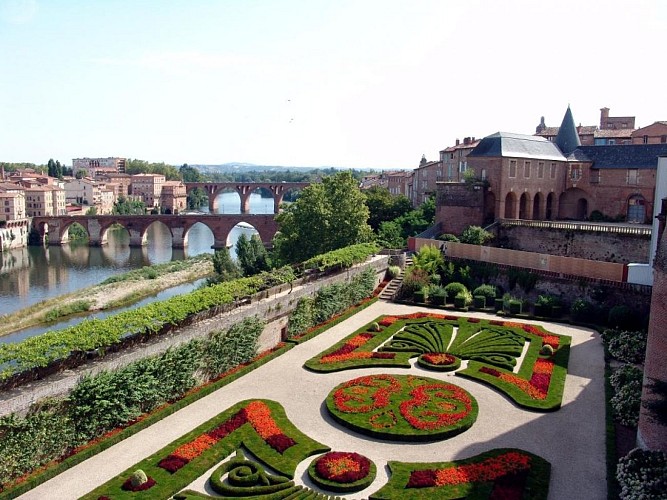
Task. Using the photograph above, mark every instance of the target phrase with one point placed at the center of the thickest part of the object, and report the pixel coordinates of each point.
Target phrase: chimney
(604, 115)
(457, 142)
(466, 141)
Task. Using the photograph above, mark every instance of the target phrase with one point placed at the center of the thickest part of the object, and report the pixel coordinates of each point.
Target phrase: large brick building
(530, 177)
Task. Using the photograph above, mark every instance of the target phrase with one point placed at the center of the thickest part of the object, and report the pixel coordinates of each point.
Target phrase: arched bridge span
(137, 225)
(245, 189)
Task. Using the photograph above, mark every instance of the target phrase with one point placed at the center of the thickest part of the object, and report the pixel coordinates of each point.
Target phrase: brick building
(424, 180)
(655, 133)
(530, 177)
(173, 198)
(94, 167)
(148, 187)
(12, 202)
(613, 130)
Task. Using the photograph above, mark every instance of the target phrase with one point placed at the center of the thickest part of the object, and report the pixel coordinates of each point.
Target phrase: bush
(453, 289)
(488, 291)
(642, 474)
(479, 301)
(414, 279)
(393, 271)
(581, 310)
(515, 306)
(626, 404)
(463, 299)
(547, 350)
(421, 296)
(227, 349)
(624, 375)
(448, 237)
(138, 478)
(626, 346)
(475, 235)
(429, 258)
(622, 317)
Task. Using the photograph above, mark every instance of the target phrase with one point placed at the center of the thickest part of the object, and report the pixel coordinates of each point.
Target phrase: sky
(345, 83)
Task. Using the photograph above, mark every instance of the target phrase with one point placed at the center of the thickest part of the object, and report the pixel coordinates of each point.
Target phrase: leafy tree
(383, 206)
(82, 173)
(197, 198)
(123, 206)
(54, 168)
(475, 235)
(390, 235)
(225, 268)
(91, 211)
(190, 174)
(327, 216)
(251, 255)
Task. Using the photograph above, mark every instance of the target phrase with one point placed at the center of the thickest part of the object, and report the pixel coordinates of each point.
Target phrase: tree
(190, 174)
(123, 206)
(383, 206)
(224, 266)
(327, 216)
(82, 173)
(251, 255)
(429, 258)
(389, 235)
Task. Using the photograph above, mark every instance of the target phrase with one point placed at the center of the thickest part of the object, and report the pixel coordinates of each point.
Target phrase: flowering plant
(342, 471)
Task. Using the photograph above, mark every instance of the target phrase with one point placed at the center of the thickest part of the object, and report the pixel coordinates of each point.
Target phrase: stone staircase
(391, 290)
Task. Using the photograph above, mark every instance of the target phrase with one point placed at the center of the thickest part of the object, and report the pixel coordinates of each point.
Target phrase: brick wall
(602, 246)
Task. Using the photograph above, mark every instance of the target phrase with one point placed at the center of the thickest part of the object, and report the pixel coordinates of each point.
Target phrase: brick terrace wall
(272, 305)
(601, 246)
(458, 206)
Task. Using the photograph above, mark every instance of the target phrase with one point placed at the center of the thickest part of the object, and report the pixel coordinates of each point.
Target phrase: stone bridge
(245, 189)
(57, 228)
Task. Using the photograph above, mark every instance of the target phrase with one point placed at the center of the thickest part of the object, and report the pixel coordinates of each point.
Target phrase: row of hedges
(329, 301)
(109, 400)
(342, 257)
(41, 351)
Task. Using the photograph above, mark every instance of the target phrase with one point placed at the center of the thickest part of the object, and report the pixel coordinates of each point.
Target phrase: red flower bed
(439, 358)
(538, 385)
(487, 470)
(347, 351)
(256, 414)
(342, 467)
(433, 420)
(352, 401)
(127, 485)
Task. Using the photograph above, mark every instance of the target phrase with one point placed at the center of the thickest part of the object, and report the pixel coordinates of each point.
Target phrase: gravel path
(572, 439)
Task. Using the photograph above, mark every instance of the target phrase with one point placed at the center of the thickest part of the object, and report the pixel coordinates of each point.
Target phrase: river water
(30, 275)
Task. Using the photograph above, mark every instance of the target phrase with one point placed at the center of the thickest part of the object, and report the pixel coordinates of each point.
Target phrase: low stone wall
(273, 305)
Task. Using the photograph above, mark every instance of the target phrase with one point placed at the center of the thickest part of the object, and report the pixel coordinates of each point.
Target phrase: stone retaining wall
(272, 305)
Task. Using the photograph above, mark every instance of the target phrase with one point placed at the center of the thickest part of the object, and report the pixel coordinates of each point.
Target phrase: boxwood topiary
(454, 288)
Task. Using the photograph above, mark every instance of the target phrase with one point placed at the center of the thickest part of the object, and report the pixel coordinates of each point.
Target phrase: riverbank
(121, 292)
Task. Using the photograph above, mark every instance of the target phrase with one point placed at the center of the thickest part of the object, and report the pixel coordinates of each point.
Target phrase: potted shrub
(515, 306)
(438, 295)
(543, 305)
(479, 301)
(498, 304)
(463, 299)
(421, 295)
(487, 291)
(453, 289)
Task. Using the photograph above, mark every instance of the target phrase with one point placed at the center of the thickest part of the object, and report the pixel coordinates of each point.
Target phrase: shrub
(475, 235)
(626, 403)
(546, 350)
(438, 294)
(454, 288)
(626, 346)
(138, 478)
(429, 258)
(479, 301)
(414, 279)
(642, 474)
(624, 375)
(488, 291)
(621, 316)
(393, 271)
(421, 296)
(227, 349)
(463, 298)
(448, 237)
(515, 306)
(581, 310)
(375, 326)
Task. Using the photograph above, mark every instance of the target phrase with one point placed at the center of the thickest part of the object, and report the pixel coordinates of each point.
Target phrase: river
(30, 275)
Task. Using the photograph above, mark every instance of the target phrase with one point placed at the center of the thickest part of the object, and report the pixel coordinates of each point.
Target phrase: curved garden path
(572, 438)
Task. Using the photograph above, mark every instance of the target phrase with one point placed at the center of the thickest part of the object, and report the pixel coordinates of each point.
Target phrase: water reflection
(30, 275)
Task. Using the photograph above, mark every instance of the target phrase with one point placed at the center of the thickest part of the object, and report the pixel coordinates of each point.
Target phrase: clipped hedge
(342, 257)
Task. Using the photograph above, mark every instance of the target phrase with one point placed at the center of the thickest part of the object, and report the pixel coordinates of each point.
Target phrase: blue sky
(352, 83)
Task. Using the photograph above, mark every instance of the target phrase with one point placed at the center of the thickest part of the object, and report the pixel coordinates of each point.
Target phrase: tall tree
(383, 206)
(327, 216)
(225, 268)
(251, 255)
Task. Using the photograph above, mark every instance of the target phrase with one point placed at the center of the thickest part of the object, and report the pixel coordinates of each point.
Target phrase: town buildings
(93, 167)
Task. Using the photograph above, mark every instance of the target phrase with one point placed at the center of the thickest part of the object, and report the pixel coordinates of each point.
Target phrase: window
(633, 176)
(552, 172)
(526, 169)
(462, 166)
(540, 170)
(645, 139)
(612, 142)
(595, 176)
(575, 173)
(483, 174)
(663, 139)
(512, 168)
(451, 156)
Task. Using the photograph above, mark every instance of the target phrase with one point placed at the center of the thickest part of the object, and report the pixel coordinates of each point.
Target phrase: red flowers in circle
(342, 467)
